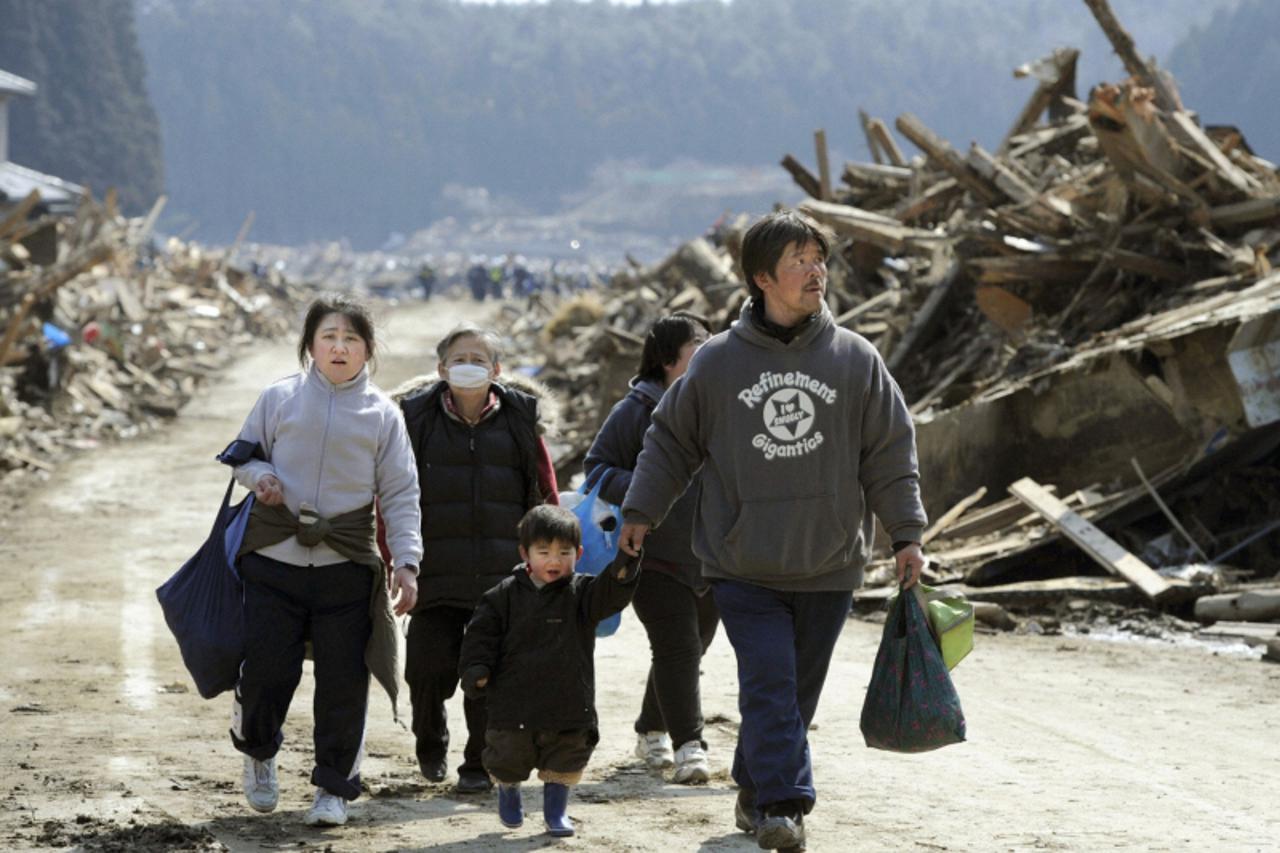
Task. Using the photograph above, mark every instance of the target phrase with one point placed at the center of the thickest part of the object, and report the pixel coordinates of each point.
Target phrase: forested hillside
(1229, 70)
(351, 117)
(90, 121)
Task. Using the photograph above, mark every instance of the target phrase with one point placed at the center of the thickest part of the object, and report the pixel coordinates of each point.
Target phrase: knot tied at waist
(314, 533)
(352, 534)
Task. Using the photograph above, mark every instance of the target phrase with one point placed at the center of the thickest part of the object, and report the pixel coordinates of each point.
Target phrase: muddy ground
(1074, 744)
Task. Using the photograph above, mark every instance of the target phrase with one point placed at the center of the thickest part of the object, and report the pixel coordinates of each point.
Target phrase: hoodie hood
(648, 389)
(748, 327)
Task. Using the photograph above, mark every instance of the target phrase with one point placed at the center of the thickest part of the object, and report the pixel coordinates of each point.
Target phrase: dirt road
(1073, 744)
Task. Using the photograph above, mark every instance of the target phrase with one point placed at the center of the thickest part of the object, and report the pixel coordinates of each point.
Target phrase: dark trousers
(284, 606)
(431, 668)
(783, 642)
(680, 625)
(511, 754)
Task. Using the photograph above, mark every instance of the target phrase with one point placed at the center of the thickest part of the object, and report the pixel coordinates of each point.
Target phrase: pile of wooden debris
(1089, 303)
(102, 334)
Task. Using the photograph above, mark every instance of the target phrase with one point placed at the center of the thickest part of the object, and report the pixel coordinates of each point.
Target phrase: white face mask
(468, 376)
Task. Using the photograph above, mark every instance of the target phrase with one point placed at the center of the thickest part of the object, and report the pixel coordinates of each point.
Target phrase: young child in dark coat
(529, 651)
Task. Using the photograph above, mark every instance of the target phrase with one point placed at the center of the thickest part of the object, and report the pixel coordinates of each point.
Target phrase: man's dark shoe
(781, 828)
(434, 769)
(474, 782)
(744, 811)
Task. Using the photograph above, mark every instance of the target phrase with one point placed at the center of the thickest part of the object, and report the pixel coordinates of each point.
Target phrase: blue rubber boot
(555, 801)
(510, 808)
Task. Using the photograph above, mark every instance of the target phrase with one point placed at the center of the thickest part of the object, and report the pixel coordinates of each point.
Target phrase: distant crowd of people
(512, 276)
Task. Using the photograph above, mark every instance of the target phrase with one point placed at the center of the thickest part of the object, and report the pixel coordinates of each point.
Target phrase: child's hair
(666, 337)
(549, 523)
(356, 312)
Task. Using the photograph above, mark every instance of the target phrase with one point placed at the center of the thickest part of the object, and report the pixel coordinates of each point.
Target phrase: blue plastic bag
(203, 602)
(601, 524)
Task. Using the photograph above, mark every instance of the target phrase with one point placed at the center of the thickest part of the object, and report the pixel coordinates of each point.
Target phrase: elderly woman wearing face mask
(482, 464)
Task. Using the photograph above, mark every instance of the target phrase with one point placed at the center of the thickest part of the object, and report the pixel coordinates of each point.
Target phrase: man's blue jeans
(783, 642)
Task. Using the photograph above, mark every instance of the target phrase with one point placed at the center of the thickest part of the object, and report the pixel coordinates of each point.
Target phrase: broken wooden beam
(1102, 548)
(941, 153)
(1166, 95)
(1185, 127)
(1253, 212)
(1254, 605)
(878, 137)
(802, 176)
(928, 318)
(944, 521)
(859, 224)
(1056, 76)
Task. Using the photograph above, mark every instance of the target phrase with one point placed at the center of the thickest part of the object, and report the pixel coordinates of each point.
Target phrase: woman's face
(676, 370)
(337, 349)
(472, 354)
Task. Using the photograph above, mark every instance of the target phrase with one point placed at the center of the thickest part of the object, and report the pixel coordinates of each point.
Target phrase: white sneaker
(327, 810)
(692, 767)
(654, 748)
(260, 786)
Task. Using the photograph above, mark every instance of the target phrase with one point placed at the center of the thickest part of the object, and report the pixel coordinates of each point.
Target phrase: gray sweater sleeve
(888, 469)
(396, 485)
(673, 452)
(259, 427)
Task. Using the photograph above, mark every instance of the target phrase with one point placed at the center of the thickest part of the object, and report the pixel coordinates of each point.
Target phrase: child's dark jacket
(537, 646)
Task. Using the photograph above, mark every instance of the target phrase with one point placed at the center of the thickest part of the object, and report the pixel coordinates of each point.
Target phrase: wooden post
(824, 167)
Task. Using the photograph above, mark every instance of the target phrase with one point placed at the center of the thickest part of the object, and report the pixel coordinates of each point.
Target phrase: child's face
(549, 561)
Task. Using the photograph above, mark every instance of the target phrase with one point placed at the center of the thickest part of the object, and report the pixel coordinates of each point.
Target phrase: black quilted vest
(477, 483)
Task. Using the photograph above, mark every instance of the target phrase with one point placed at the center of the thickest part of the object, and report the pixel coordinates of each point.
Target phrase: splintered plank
(1098, 545)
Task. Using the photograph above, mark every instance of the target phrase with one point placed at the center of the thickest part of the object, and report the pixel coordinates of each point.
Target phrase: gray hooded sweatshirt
(799, 444)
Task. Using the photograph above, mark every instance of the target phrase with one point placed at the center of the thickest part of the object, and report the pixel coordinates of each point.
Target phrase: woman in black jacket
(672, 601)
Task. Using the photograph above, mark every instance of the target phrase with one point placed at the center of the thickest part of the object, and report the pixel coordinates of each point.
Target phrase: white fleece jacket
(336, 447)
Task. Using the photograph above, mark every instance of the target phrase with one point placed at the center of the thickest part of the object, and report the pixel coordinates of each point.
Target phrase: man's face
(549, 561)
(797, 286)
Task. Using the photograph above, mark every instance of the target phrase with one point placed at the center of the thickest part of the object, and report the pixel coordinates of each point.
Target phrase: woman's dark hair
(666, 337)
(549, 523)
(769, 237)
(336, 303)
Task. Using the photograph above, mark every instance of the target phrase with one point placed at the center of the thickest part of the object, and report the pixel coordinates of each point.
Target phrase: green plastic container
(950, 621)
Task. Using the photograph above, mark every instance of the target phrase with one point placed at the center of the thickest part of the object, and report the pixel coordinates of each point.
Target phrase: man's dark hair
(356, 312)
(769, 237)
(666, 337)
(548, 523)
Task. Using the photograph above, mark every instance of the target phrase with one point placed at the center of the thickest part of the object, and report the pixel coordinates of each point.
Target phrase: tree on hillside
(351, 117)
(90, 121)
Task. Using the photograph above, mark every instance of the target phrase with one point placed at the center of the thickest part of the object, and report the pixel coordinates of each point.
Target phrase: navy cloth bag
(203, 602)
(911, 704)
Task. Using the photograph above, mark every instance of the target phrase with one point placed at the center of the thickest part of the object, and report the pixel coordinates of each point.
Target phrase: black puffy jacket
(477, 482)
(537, 646)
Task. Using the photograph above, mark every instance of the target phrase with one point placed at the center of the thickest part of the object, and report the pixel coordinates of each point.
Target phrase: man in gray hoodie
(802, 436)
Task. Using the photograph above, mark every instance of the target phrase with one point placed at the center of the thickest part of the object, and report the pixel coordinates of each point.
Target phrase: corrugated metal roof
(12, 84)
(16, 182)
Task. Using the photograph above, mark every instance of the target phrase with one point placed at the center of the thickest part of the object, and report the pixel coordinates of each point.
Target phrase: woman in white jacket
(332, 442)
